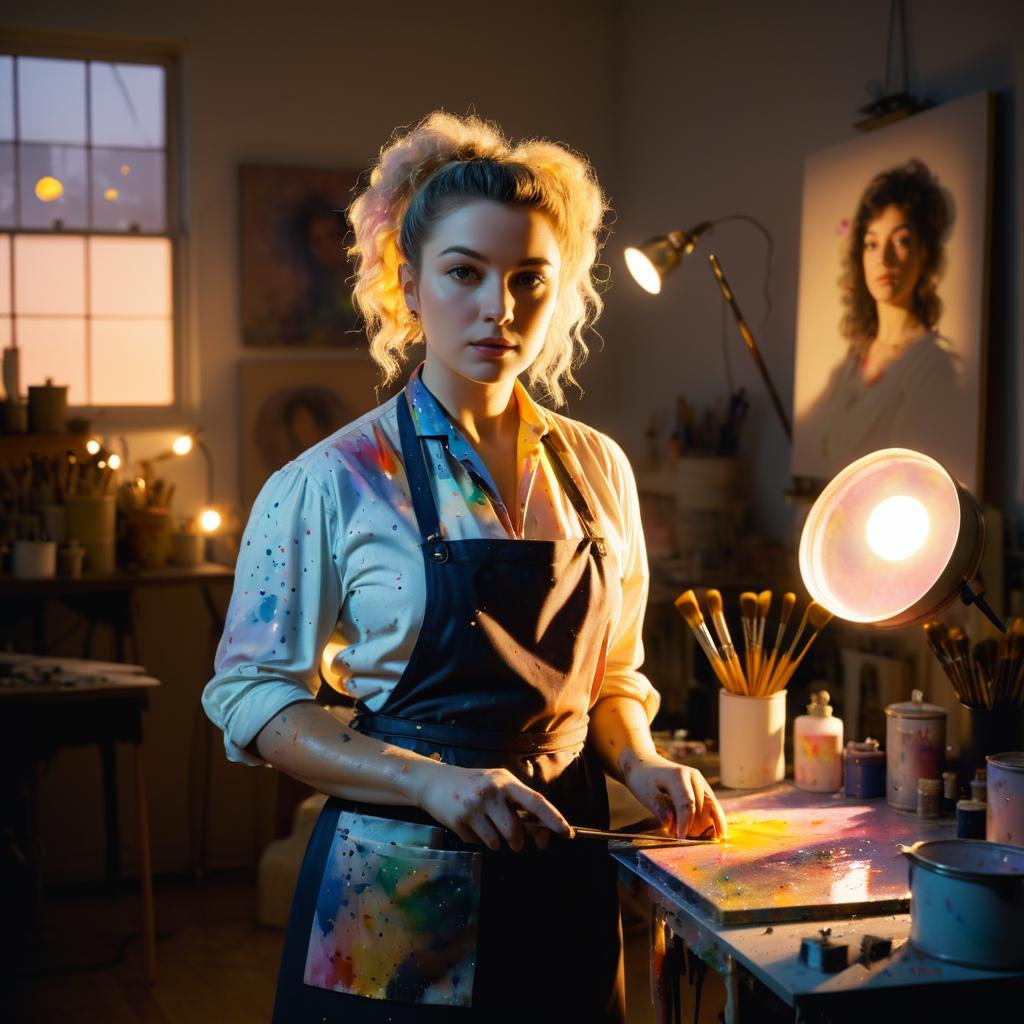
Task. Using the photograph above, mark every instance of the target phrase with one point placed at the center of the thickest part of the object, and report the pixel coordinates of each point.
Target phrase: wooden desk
(36, 720)
(765, 979)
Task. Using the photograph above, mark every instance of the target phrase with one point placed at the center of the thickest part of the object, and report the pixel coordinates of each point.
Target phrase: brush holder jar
(752, 735)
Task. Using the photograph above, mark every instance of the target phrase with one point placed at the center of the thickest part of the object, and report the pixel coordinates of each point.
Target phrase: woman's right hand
(480, 805)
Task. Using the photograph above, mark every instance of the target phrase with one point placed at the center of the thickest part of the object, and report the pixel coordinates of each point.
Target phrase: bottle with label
(818, 747)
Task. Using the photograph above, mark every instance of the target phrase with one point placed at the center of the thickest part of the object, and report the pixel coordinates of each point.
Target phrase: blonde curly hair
(421, 175)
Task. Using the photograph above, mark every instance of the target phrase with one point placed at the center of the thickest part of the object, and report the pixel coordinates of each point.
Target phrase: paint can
(966, 902)
(915, 744)
(970, 819)
(1005, 819)
(929, 798)
(864, 769)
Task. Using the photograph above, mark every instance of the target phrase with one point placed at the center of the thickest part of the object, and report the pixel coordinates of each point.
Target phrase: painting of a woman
(899, 372)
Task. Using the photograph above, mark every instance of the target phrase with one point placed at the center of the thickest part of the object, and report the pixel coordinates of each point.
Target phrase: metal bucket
(1004, 819)
(967, 902)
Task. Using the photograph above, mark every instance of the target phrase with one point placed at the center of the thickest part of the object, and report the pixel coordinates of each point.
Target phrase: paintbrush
(788, 601)
(783, 664)
(764, 603)
(818, 616)
(726, 649)
(748, 609)
(644, 837)
(688, 607)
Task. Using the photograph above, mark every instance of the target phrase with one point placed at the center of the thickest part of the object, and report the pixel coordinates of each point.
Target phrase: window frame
(168, 55)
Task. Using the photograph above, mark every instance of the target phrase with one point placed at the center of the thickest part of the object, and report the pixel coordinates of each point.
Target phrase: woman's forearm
(619, 731)
(307, 742)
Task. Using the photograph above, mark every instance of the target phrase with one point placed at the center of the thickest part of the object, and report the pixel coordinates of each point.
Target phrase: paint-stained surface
(791, 856)
(396, 918)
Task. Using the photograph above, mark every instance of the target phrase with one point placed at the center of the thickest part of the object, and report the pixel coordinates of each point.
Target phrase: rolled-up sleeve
(282, 611)
(623, 677)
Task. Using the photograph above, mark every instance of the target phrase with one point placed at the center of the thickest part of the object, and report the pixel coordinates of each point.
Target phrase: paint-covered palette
(793, 856)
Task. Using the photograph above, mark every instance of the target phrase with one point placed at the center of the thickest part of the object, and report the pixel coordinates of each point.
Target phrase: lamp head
(209, 520)
(651, 262)
(891, 540)
(182, 445)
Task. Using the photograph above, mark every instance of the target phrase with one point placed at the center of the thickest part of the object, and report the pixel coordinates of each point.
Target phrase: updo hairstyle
(426, 172)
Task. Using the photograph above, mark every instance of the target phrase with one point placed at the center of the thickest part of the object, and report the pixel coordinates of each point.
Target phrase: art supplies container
(915, 745)
(33, 559)
(187, 548)
(864, 770)
(47, 407)
(967, 902)
(91, 522)
(752, 734)
(1005, 819)
(55, 522)
(929, 798)
(818, 747)
(970, 819)
(149, 537)
(69, 560)
(987, 731)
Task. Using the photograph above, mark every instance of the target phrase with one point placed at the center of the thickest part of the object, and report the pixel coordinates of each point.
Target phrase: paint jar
(915, 744)
(970, 819)
(818, 747)
(47, 407)
(187, 548)
(864, 770)
(950, 792)
(33, 559)
(929, 798)
(91, 522)
(69, 559)
(149, 537)
(1005, 819)
(752, 739)
(979, 786)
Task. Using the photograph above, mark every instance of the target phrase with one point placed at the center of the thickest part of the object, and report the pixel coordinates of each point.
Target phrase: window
(87, 250)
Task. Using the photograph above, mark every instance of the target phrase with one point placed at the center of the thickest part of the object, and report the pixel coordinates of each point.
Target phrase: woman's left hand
(680, 797)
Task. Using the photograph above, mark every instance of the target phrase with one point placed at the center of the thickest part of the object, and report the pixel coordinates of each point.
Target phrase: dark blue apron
(394, 918)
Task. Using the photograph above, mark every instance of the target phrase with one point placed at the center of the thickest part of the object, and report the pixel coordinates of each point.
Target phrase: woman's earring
(414, 315)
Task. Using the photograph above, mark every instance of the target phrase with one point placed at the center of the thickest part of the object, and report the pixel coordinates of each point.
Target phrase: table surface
(41, 677)
(207, 572)
(771, 952)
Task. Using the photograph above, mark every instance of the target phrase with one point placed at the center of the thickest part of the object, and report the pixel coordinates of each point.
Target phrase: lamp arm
(748, 339)
(769, 243)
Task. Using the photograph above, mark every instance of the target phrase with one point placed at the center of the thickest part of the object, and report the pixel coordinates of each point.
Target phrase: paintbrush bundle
(989, 675)
(762, 671)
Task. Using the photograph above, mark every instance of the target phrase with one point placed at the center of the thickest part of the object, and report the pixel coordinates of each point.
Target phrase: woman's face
(893, 257)
(487, 289)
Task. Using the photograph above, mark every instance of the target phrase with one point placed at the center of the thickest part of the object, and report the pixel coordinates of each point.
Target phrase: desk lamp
(892, 540)
(651, 262)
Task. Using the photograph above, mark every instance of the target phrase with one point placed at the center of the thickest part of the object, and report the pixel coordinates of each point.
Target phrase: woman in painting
(898, 385)
(484, 561)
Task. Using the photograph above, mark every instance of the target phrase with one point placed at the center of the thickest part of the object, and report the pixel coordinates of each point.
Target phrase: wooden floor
(215, 962)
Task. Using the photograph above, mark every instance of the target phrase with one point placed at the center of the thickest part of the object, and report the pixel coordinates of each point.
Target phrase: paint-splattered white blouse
(331, 554)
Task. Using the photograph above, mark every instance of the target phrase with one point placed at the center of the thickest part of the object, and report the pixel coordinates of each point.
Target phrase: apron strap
(423, 499)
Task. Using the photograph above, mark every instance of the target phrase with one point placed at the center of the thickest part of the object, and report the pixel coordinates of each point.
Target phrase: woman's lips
(492, 348)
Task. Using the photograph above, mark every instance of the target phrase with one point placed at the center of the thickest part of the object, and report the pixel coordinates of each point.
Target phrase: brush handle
(796, 664)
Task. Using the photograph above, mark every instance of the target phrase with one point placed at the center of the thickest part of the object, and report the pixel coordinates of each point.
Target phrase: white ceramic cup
(752, 739)
(34, 559)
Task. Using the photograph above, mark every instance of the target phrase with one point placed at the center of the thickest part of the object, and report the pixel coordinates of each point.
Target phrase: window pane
(6, 97)
(50, 275)
(130, 276)
(5, 274)
(132, 362)
(53, 187)
(53, 348)
(7, 185)
(51, 100)
(128, 190)
(127, 105)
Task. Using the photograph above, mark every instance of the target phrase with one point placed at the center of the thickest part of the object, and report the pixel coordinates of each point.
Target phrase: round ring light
(891, 540)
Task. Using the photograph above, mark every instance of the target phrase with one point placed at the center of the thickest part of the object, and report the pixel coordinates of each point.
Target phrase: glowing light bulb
(209, 519)
(114, 462)
(898, 528)
(48, 189)
(92, 446)
(182, 445)
(643, 271)
(125, 169)
(111, 195)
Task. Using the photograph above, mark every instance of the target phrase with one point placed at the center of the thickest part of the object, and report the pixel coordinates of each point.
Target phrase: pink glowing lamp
(892, 540)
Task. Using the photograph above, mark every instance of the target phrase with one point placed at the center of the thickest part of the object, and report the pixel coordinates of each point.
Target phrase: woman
(487, 559)
(898, 384)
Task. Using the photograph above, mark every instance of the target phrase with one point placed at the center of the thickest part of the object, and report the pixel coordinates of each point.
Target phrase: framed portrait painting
(289, 405)
(296, 277)
(892, 306)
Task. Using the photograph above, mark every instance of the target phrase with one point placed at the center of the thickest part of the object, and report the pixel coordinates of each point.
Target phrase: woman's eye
(534, 280)
(460, 271)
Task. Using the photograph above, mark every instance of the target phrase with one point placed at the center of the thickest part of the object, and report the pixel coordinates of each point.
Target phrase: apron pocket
(395, 918)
